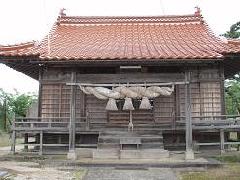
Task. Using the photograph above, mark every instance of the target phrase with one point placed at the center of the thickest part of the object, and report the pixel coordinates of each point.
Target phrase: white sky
(26, 20)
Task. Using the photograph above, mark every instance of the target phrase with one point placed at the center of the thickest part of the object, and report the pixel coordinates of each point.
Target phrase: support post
(40, 74)
(189, 155)
(41, 144)
(130, 125)
(222, 78)
(72, 126)
(222, 140)
(13, 142)
(5, 114)
(13, 138)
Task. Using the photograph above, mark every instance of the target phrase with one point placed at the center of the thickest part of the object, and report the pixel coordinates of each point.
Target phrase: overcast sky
(26, 20)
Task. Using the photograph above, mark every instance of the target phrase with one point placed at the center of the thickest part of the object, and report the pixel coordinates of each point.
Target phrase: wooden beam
(130, 78)
(126, 84)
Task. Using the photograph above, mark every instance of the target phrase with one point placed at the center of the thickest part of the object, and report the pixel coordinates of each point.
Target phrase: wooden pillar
(72, 125)
(41, 143)
(222, 78)
(222, 140)
(13, 137)
(40, 74)
(130, 125)
(13, 142)
(188, 117)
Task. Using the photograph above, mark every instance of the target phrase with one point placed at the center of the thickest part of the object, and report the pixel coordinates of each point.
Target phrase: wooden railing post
(41, 143)
(222, 141)
(49, 123)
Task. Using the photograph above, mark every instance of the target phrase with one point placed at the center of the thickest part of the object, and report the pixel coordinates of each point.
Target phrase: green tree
(14, 104)
(234, 31)
(232, 86)
(232, 97)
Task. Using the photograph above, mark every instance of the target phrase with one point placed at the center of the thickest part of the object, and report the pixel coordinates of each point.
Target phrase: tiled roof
(126, 38)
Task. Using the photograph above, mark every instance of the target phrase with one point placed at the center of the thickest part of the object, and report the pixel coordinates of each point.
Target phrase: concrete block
(130, 154)
(84, 152)
(189, 155)
(105, 154)
(154, 154)
(72, 155)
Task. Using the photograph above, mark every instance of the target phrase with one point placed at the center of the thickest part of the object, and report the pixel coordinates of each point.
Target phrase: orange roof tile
(109, 38)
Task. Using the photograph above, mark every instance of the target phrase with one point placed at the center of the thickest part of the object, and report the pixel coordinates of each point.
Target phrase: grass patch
(228, 172)
(229, 159)
(5, 139)
(79, 174)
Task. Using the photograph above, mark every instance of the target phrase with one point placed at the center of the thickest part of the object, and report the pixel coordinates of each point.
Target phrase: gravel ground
(32, 171)
(130, 174)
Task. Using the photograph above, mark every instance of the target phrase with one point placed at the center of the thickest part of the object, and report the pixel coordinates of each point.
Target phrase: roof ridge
(17, 46)
(129, 19)
(128, 16)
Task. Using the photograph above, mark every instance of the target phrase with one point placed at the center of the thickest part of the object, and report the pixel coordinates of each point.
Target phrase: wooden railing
(213, 122)
(51, 123)
(62, 123)
(219, 123)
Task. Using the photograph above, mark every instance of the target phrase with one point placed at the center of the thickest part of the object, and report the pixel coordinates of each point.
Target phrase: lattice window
(55, 100)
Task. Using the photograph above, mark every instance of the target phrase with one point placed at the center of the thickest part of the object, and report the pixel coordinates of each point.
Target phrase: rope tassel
(128, 104)
(111, 105)
(145, 103)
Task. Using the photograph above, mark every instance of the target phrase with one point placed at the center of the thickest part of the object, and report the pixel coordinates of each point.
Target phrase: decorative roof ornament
(197, 11)
(62, 12)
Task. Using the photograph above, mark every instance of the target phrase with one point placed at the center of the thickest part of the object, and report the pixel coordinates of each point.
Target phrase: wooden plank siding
(96, 109)
(164, 109)
(139, 117)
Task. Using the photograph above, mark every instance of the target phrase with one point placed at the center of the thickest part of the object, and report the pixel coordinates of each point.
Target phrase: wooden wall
(205, 92)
